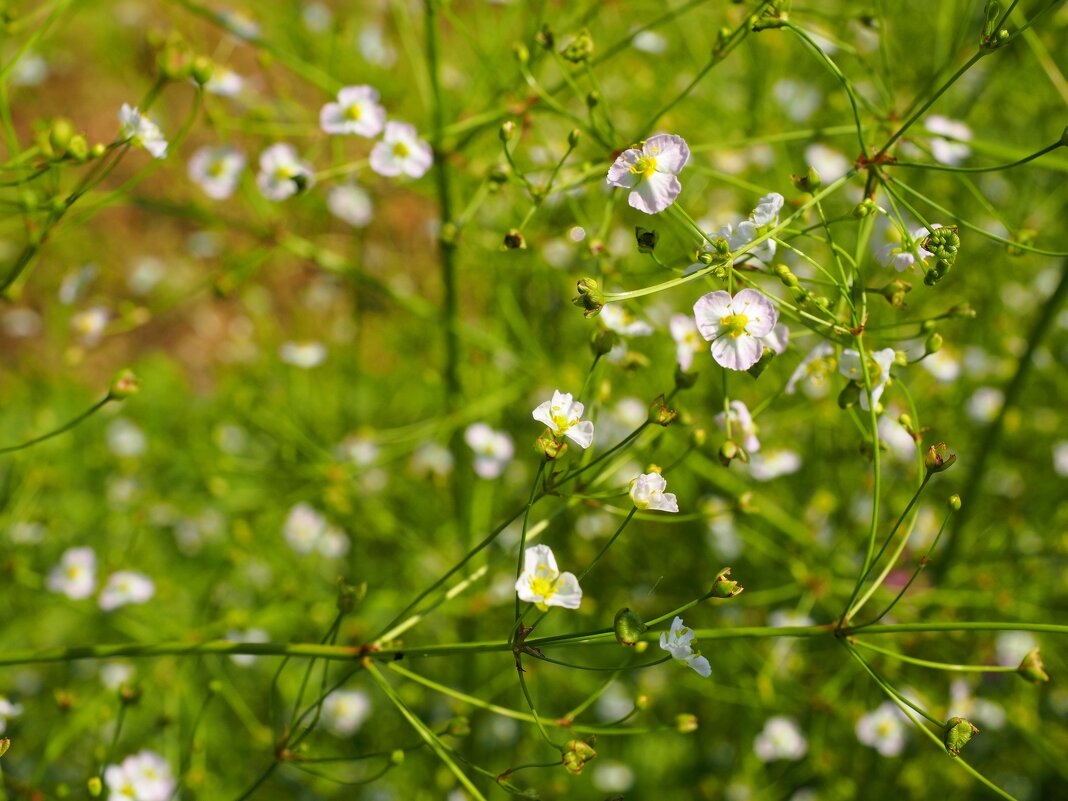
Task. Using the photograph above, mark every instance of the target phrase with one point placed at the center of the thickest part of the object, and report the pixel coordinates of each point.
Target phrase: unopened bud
(514, 240)
(78, 148)
(809, 182)
(573, 138)
(123, 385)
(590, 298)
(895, 292)
(933, 343)
(646, 239)
(593, 100)
(519, 50)
(685, 723)
(203, 69)
(936, 459)
(1032, 669)
(5, 743)
(129, 694)
(957, 734)
(575, 756)
(723, 587)
(628, 627)
(962, 310)
(729, 451)
(507, 132)
(549, 446)
(603, 341)
(786, 275)
(659, 413)
(94, 786)
(579, 49)
(698, 437)
(60, 134)
(459, 726)
(954, 503)
(175, 62)
(397, 757)
(97, 150)
(865, 208)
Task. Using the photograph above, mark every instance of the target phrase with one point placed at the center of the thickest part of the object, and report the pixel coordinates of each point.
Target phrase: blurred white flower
(650, 42)
(542, 584)
(620, 320)
(360, 449)
(141, 131)
(879, 364)
(610, 776)
(350, 204)
(88, 325)
(943, 365)
(769, 465)
(115, 674)
(1013, 646)
(401, 152)
(778, 340)
(144, 776)
(679, 643)
(944, 150)
(249, 635)
(374, 48)
(306, 531)
(1060, 458)
(900, 251)
(224, 82)
(317, 17)
(563, 416)
(344, 711)
(30, 70)
(493, 449)
(650, 172)
(984, 404)
(799, 100)
(147, 272)
(688, 341)
(787, 618)
(305, 355)
(735, 325)
(282, 173)
(647, 492)
(742, 425)
(126, 587)
(830, 164)
(357, 111)
(781, 738)
(883, 729)
(963, 704)
(75, 575)
(26, 533)
(217, 170)
(433, 458)
(21, 323)
(76, 283)
(814, 372)
(8, 710)
(125, 439)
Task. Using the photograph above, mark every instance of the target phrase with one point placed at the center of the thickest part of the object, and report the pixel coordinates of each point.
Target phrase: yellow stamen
(400, 150)
(353, 112)
(645, 166)
(735, 324)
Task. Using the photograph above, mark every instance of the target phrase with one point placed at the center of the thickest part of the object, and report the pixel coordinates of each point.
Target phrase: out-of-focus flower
(350, 204)
(650, 172)
(344, 711)
(401, 152)
(8, 710)
(217, 170)
(144, 776)
(75, 575)
(89, 324)
(943, 149)
(126, 587)
(830, 164)
(883, 729)
(879, 364)
(620, 320)
(493, 449)
(542, 584)
(688, 341)
(357, 111)
(282, 173)
(742, 425)
(306, 531)
(141, 131)
(781, 738)
(224, 82)
(813, 372)
(125, 439)
(305, 355)
(647, 492)
(249, 635)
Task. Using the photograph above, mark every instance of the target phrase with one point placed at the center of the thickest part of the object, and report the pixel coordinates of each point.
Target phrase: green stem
(934, 665)
(63, 428)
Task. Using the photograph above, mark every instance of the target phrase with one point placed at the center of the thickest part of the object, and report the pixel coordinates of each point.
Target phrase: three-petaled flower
(542, 584)
(650, 172)
(647, 492)
(563, 416)
(357, 111)
(679, 643)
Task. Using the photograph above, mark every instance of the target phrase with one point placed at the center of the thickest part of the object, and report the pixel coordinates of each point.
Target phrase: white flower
(650, 172)
(985, 404)
(767, 210)
(357, 111)
(306, 531)
(1013, 646)
(350, 204)
(88, 325)
(678, 642)
(433, 458)
(768, 465)
(305, 355)
(780, 739)
(741, 425)
(687, 338)
(115, 674)
(879, 364)
(944, 150)
(620, 320)
(742, 235)
(778, 340)
(787, 618)
(401, 152)
(883, 729)
(986, 713)
(735, 325)
(126, 587)
(1060, 458)
(141, 131)
(650, 42)
(282, 174)
(373, 47)
(224, 82)
(903, 254)
(8, 710)
(943, 365)
(216, 170)
(344, 711)
(542, 584)
(814, 371)
(144, 776)
(75, 575)
(647, 492)
(493, 449)
(798, 100)
(250, 635)
(563, 416)
(125, 439)
(830, 164)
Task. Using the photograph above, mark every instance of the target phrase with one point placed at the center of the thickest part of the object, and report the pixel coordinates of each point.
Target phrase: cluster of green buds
(580, 49)
(576, 754)
(957, 733)
(944, 244)
(993, 37)
(590, 298)
(59, 141)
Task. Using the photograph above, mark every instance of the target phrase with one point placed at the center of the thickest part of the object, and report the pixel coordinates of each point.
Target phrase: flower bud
(809, 182)
(962, 310)
(95, 786)
(933, 343)
(97, 150)
(685, 723)
(514, 240)
(723, 587)
(129, 694)
(641, 702)
(579, 49)
(593, 100)
(628, 627)
(954, 503)
(992, 14)
(1025, 237)
(729, 451)
(507, 132)
(519, 50)
(348, 595)
(590, 298)
(175, 62)
(573, 138)
(698, 437)
(203, 69)
(5, 743)
(549, 446)
(895, 292)
(123, 385)
(603, 341)
(545, 37)
(659, 413)
(957, 734)
(397, 757)
(78, 148)
(575, 756)
(936, 460)
(865, 208)
(786, 275)
(459, 726)
(646, 239)
(60, 134)
(1031, 668)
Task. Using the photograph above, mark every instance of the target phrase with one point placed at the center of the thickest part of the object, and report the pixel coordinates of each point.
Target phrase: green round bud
(397, 757)
(95, 787)
(203, 69)
(97, 150)
(175, 62)
(1031, 668)
(628, 627)
(957, 734)
(59, 135)
(519, 50)
(934, 342)
(123, 385)
(954, 503)
(728, 452)
(574, 137)
(78, 148)
(507, 132)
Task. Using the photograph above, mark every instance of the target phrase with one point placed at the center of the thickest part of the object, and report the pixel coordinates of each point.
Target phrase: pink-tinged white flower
(647, 492)
(8, 710)
(879, 364)
(650, 172)
(735, 325)
(75, 575)
(563, 416)
(305, 355)
(140, 131)
(401, 152)
(144, 776)
(905, 251)
(778, 340)
(431, 458)
(688, 341)
(344, 711)
(542, 584)
(772, 464)
(741, 235)
(781, 738)
(249, 635)
(217, 170)
(742, 425)
(813, 372)
(679, 643)
(357, 111)
(493, 449)
(623, 322)
(125, 439)
(350, 204)
(307, 531)
(225, 83)
(950, 150)
(88, 325)
(126, 587)
(282, 173)
(767, 210)
(883, 729)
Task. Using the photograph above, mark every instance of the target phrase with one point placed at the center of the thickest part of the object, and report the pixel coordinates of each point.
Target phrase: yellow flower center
(559, 420)
(735, 324)
(544, 587)
(216, 169)
(353, 112)
(645, 166)
(400, 150)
